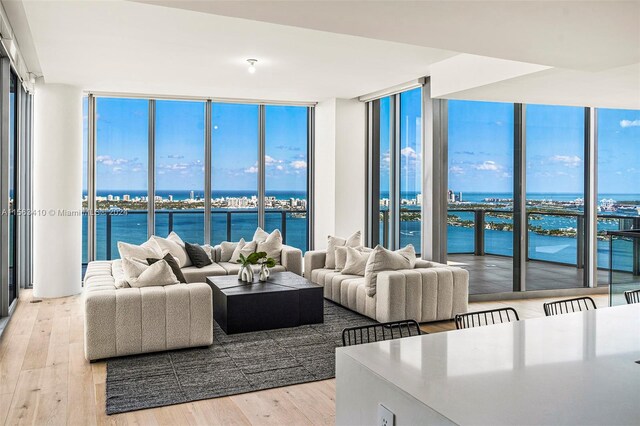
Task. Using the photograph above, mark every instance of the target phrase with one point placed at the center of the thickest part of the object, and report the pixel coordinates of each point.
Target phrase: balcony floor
(493, 274)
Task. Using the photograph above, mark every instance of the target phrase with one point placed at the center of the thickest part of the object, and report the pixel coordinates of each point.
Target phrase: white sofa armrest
(314, 259)
(424, 294)
(291, 259)
(130, 321)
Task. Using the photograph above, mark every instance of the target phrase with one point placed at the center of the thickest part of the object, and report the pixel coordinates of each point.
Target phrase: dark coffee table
(285, 300)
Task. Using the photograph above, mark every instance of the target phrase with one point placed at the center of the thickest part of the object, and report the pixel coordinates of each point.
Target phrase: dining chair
(632, 296)
(482, 318)
(569, 305)
(379, 332)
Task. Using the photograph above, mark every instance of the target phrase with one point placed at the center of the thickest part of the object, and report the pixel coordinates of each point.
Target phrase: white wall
(57, 168)
(324, 169)
(350, 167)
(339, 169)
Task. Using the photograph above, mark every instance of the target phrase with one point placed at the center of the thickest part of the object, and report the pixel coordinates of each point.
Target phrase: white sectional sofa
(429, 292)
(125, 321)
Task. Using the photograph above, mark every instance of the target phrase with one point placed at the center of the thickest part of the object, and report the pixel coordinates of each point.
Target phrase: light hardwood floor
(44, 378)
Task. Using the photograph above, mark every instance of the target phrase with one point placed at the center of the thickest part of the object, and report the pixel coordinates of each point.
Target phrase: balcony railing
(557, 238)
(190, 224)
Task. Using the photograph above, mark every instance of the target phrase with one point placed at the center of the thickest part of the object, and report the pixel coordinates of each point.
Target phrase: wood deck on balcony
(493, 274)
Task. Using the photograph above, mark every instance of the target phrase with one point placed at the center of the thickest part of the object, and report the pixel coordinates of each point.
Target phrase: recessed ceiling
(130, 47)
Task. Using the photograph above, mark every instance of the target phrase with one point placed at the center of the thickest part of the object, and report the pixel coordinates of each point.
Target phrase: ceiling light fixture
(252, 65)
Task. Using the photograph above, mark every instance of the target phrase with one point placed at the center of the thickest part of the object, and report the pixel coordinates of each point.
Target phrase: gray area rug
(234, 364)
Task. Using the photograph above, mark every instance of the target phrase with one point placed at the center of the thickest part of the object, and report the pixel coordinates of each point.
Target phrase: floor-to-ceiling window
(618, 184)
(179, 174)
(480, 196)
(285, 163)
(85, 174)
(177, 133)
(13, 193)
(411, 168)
(395, 169)
(234, 171)
(122, 129)
(555, 195)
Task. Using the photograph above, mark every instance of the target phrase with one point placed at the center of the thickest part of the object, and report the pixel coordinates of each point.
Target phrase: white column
(339, 169)
(57, 186)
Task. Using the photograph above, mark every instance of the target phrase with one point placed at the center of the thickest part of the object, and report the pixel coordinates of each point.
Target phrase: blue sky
(122, 151)
(481, 148)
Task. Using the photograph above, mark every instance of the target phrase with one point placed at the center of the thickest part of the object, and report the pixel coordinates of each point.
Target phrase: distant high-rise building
(460, 196)
(191, 195)
(109, 197)
(126, 197)
(170, 197)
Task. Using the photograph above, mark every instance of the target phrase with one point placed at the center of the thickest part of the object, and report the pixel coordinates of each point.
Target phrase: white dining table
(579, 368)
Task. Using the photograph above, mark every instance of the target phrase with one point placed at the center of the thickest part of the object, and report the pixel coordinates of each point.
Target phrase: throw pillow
(147, 249)
(243, 248)
(158, 274)
(333, 242)
(260, 235)
(171, 261)
(382, 259)
(356, 261)
(341, 257)
(133, 267)
(226, 250)
(199, 258)
(209, 251)
(173, 244)
(272, 245)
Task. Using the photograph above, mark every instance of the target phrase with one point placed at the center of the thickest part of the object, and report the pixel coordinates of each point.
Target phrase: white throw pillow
(133, 267)
(243, 248)
(173, 244)
(226, 250)
(260, 235)
(143, 251)
(158, 274)
(356, 261)
(341, 255)
(382, 259)
(333, 242)
(272, 245)
(210, 252)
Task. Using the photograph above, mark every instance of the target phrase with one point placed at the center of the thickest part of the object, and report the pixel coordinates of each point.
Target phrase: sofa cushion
(333, 242)
(243, 248)
(132, 267)
(147, 249)
(199, 258)
(272, 245)
(174, 245)
(356, 262)
(158, 274)
(382, 259)
(226, 250)
(260, 235)
(173, 263)
(199, 275)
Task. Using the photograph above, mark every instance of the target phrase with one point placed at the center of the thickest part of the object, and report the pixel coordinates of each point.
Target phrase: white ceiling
(590, 35)
(120, 46)
(578, 52)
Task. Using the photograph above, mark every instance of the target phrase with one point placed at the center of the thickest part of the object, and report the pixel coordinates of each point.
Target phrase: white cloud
(456, 170)
(567, 160)
(299, 164)
(409, 152)
(279, 167)
(488, 165)
(630, 123)
(252, 169)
